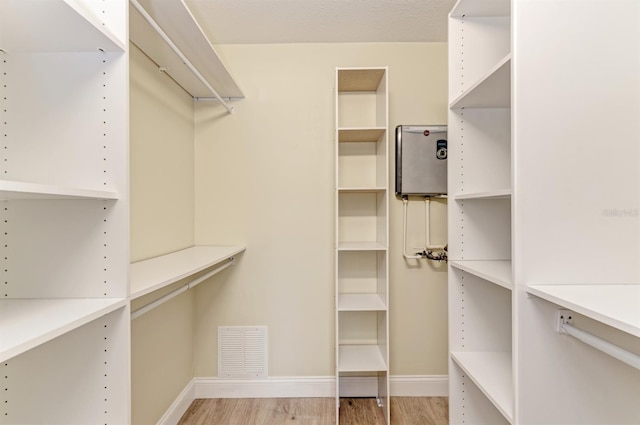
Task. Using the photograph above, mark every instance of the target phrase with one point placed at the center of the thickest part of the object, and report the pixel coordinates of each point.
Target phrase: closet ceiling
(322, 21)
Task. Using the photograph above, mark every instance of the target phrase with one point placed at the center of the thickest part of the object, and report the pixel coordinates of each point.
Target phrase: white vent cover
(242, 351)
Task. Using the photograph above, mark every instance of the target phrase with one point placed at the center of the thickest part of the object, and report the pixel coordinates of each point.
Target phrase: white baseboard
(306, 386)
(320, 386)
(179, 406)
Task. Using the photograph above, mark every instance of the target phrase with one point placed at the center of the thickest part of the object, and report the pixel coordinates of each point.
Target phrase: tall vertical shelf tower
(544, 220)
(64, 311)
(362, 229)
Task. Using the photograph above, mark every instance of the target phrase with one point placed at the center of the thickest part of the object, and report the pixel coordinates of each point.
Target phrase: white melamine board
(480, 158)
(361, 302)
(179, 24)
(361, 246)
(54, 25)
(28, 323)
(361, 189)
(476, 8)
(480, 44)
(492, 373)
(158, 272)
(496, 194)
(361, 358)
(20, 190)
(498, 272)
(493, 90)
(64, 248)
(615, 305)
(65, 120)
(81, 377)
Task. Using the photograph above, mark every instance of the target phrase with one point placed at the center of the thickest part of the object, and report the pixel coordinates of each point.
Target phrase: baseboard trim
(179, 406)
(319, 386)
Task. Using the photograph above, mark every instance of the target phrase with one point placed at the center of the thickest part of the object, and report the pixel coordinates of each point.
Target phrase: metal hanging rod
(142, 310)
(177, 51)
(565, 320)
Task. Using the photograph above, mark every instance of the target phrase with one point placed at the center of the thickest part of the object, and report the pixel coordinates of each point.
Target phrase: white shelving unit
(64, 212)
(362, 229)
(542, 219)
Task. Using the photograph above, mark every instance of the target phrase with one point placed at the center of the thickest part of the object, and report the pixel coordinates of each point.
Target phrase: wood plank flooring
(315, 411)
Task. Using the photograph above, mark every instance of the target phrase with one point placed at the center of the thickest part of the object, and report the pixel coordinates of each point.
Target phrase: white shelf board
(53, 26)
(494, 194)
(177, 21)
(360, 134)
(486, 8)
(495, 271)
(28, 323)
(492, 374)
(491, 91)
(21, 190)
(360, 358)
(361, 246)
(156, 273)
(362, 189)
(361, 302)
(614, 305)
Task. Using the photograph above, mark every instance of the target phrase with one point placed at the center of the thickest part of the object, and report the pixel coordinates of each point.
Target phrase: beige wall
(162, 220)
(264, 178)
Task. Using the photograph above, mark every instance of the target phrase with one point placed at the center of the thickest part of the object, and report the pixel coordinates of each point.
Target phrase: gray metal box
(421, 160)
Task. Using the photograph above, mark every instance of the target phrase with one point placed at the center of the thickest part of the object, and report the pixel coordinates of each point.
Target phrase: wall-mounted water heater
(421, 160)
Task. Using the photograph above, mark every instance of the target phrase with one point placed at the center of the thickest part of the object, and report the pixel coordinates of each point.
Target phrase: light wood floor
(315, 411)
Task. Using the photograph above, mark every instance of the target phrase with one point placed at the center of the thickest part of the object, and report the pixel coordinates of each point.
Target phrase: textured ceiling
(322, 21)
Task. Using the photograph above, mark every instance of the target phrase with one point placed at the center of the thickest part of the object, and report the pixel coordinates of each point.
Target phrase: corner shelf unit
(480, 272)
(362, 229)
(64, 310)
(527, 236)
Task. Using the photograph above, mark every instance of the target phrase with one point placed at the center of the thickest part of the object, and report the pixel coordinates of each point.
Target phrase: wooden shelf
(156, 273)
(361, 246)
(359, 79)
(360, 134)
(492, 374)
(615, 305)
(362, 189)
(491, 91)
(54, 26)
(496, 271)
(28, 323)
(361, 358)
(178, 23)
(487, 8)
(361, 302)
(21, 190)
(494, 194)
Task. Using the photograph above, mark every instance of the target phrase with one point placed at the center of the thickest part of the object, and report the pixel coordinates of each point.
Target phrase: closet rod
(177, 51)
(147, 307)
(619, 353)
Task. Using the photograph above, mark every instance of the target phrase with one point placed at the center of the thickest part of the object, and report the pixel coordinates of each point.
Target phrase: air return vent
(242, 351)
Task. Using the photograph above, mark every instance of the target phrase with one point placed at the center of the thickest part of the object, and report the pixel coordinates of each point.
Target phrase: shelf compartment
(498, 272)
(361, 162)
(23, 190)
(362, 217)
(361, 103)
(493, 375)
(361, 358)
(363, 135)
(363, 273)
(361, 302)
(493, 90)
(617, 306)
(28, 323)
(480, 229)
(360, 79)
(156, 273)
(55, 26)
